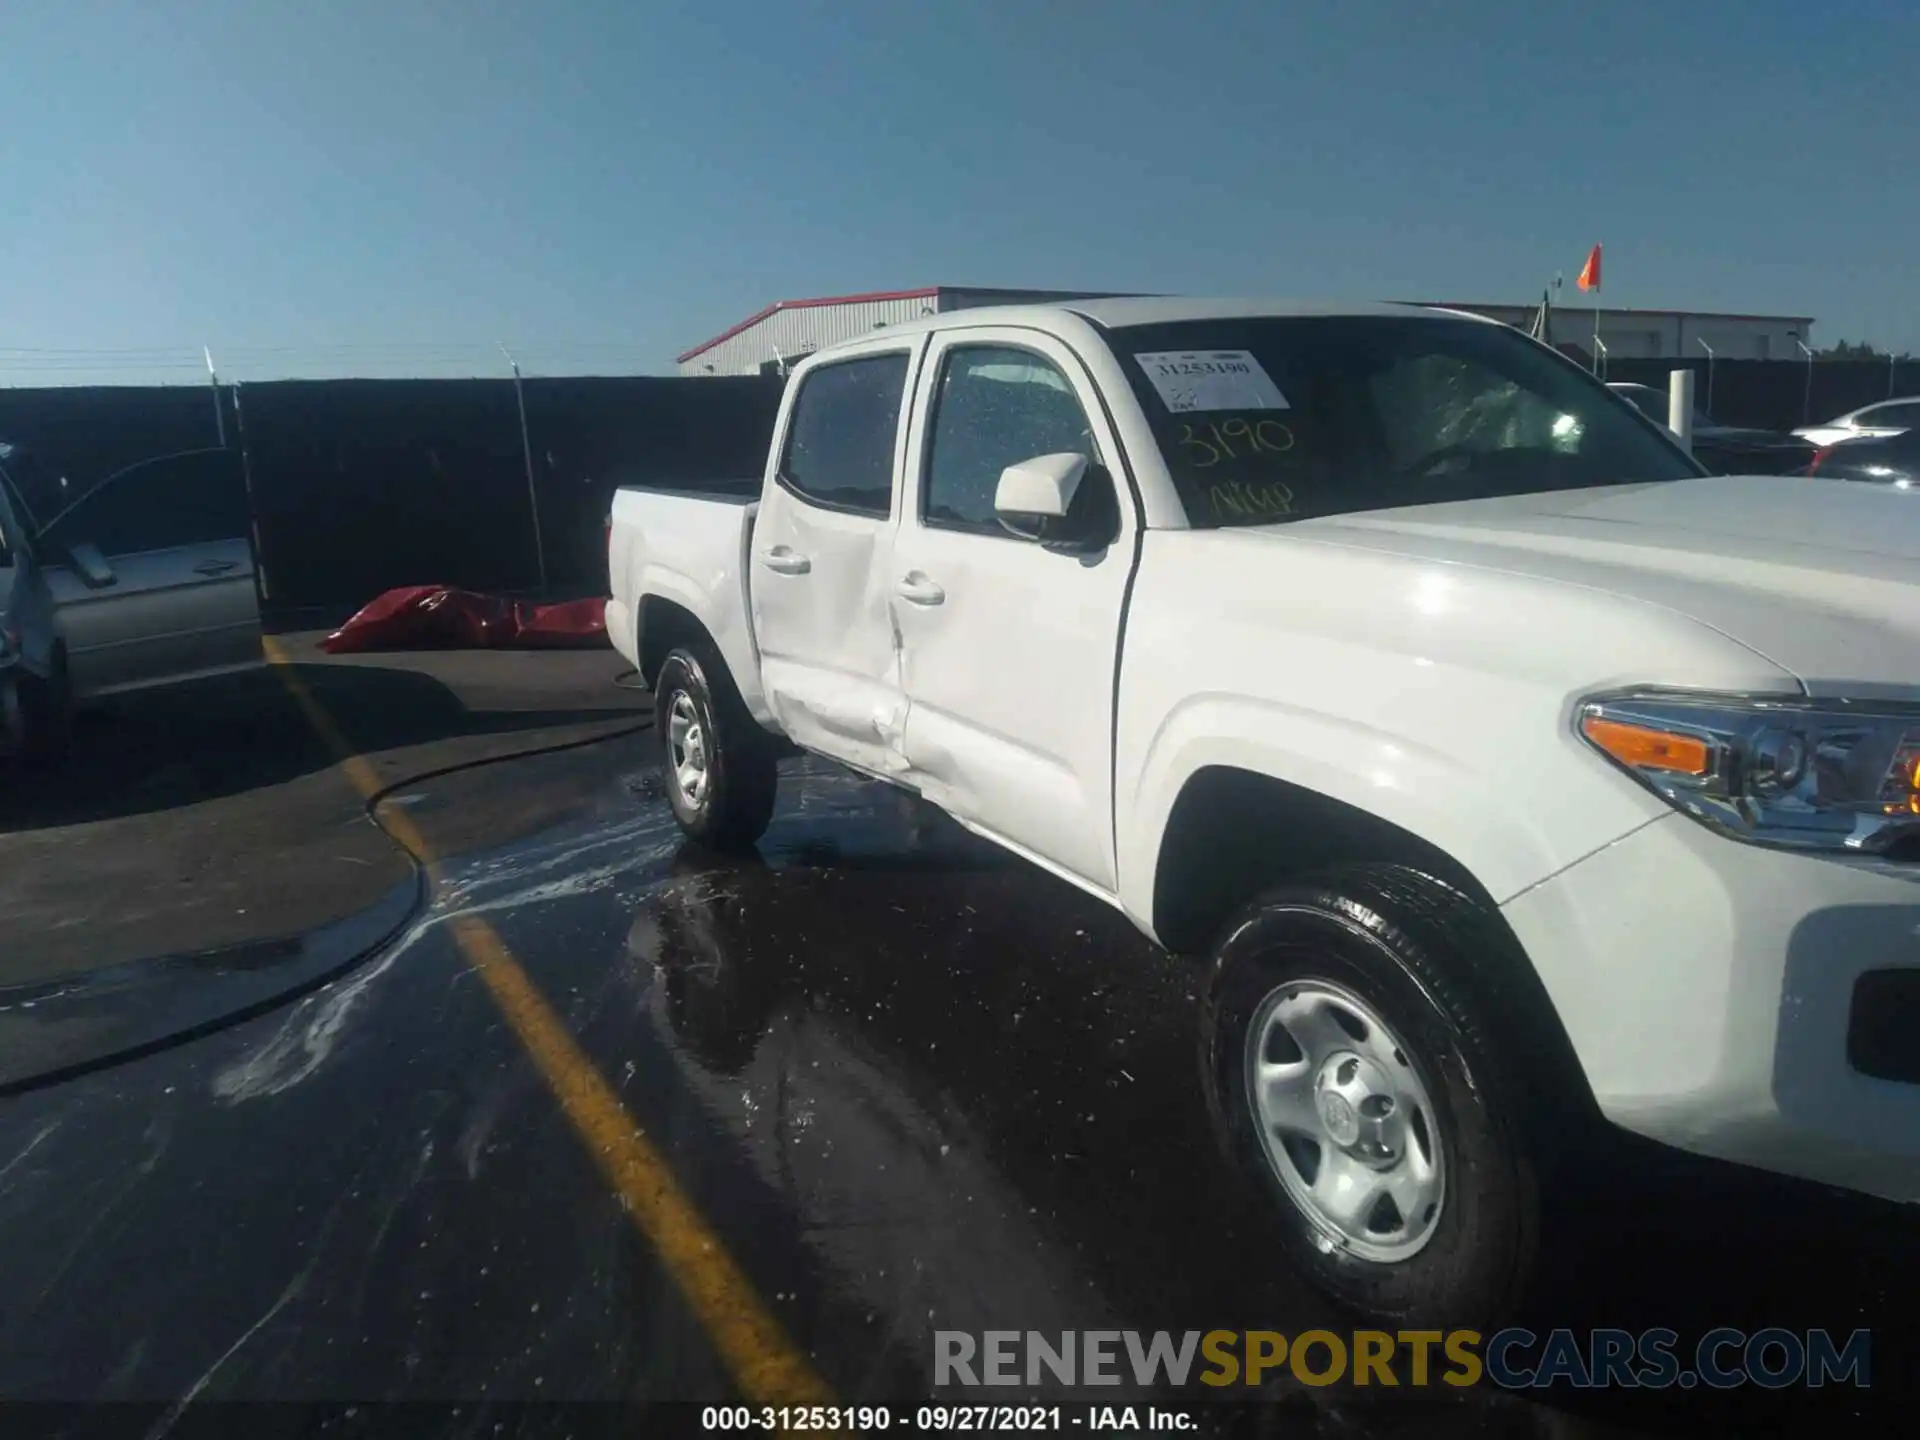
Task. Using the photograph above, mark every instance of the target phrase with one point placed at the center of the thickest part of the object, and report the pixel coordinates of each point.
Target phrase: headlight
(1807, 774)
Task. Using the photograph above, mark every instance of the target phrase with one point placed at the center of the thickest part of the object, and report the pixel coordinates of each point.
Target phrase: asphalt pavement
(615, 1121)
(211, 815)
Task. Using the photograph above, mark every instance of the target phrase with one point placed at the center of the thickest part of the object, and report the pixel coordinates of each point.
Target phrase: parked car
(1885, 417)
(1383, 658)
(1726, 449)
(1876, 459)
(145, 580)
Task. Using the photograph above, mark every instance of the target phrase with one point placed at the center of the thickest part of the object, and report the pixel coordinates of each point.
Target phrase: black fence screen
(361, 485)
(1774, 394)
(82, 435)
(590, 436)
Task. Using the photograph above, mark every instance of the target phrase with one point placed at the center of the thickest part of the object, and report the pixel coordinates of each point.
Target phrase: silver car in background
(1877, 421)
(145, 580)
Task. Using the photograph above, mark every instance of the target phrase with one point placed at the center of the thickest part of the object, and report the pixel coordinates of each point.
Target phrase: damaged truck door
(821, 561)
(1008, 642)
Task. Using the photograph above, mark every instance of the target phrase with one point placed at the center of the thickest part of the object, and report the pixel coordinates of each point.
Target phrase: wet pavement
(210, 816)
(908, 1083)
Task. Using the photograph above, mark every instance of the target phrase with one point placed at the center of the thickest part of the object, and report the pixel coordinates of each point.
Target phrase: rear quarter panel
(690, 551)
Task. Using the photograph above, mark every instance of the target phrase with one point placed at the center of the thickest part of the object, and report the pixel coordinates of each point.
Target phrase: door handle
(215, 567)
(785, 560)
(917, 589)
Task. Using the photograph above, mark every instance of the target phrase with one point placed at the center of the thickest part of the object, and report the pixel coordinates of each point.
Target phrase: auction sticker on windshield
(1190, 380)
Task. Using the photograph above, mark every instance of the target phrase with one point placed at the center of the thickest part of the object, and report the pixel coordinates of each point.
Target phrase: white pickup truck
(1510, 771)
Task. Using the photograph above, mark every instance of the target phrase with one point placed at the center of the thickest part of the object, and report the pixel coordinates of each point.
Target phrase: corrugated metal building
(784, 332)
(789, 329)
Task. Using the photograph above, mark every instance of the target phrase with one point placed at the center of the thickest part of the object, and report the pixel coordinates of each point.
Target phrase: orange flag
(1589, 278)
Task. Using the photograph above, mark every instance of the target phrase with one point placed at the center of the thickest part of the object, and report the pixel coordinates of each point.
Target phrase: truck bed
(685, 548)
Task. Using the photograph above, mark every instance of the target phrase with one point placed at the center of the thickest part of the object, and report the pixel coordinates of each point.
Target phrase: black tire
(735, 804)
(1432, 964)
(46, 713)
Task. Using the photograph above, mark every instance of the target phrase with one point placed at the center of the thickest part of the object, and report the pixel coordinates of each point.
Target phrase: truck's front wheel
(719, 766)
(1361, 1071)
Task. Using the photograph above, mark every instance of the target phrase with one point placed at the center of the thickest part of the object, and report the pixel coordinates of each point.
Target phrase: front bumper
(1709, 989)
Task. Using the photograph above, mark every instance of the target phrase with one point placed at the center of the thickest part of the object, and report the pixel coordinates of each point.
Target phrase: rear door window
(841, 436)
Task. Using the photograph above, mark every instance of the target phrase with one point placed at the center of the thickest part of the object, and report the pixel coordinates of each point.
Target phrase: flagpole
(1589, 279)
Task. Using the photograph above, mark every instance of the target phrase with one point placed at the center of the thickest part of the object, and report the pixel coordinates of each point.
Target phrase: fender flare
(657, 582)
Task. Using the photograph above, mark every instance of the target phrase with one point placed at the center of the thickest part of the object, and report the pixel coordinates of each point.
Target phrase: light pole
(1806, 404)
(526, 450)
(1709, 349)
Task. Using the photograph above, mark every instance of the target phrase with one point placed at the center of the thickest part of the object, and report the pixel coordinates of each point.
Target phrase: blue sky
(393, 186)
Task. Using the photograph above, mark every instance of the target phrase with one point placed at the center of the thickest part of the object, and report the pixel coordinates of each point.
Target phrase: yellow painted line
(766, 1365)
(355, 766)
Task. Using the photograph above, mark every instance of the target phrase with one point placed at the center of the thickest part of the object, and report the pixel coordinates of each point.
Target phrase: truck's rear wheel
(1358, 1070)
(719, 766)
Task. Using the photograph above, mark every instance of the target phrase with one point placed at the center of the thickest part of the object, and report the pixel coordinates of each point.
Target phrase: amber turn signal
(1645, 748)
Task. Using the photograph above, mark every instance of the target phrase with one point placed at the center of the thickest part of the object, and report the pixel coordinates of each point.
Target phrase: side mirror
(91, 565)
(1064, 502)
(1034, 496)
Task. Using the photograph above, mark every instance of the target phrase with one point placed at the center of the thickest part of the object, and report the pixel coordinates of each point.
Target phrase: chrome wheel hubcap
(687, 750)
(1346, 1121)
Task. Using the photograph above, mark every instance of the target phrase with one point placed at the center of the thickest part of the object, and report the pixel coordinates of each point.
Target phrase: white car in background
(1876, 421)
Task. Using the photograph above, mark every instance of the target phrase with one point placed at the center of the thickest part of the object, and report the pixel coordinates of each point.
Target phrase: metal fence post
(262, 588)
(219, 415)
(526, 450)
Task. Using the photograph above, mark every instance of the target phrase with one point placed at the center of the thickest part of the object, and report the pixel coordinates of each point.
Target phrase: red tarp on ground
(437, 617)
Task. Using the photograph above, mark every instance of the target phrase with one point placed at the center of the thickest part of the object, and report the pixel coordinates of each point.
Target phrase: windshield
(1282, 418)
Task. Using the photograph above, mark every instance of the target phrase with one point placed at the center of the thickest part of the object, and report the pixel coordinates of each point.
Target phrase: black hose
(293, 994)
(558, 747)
